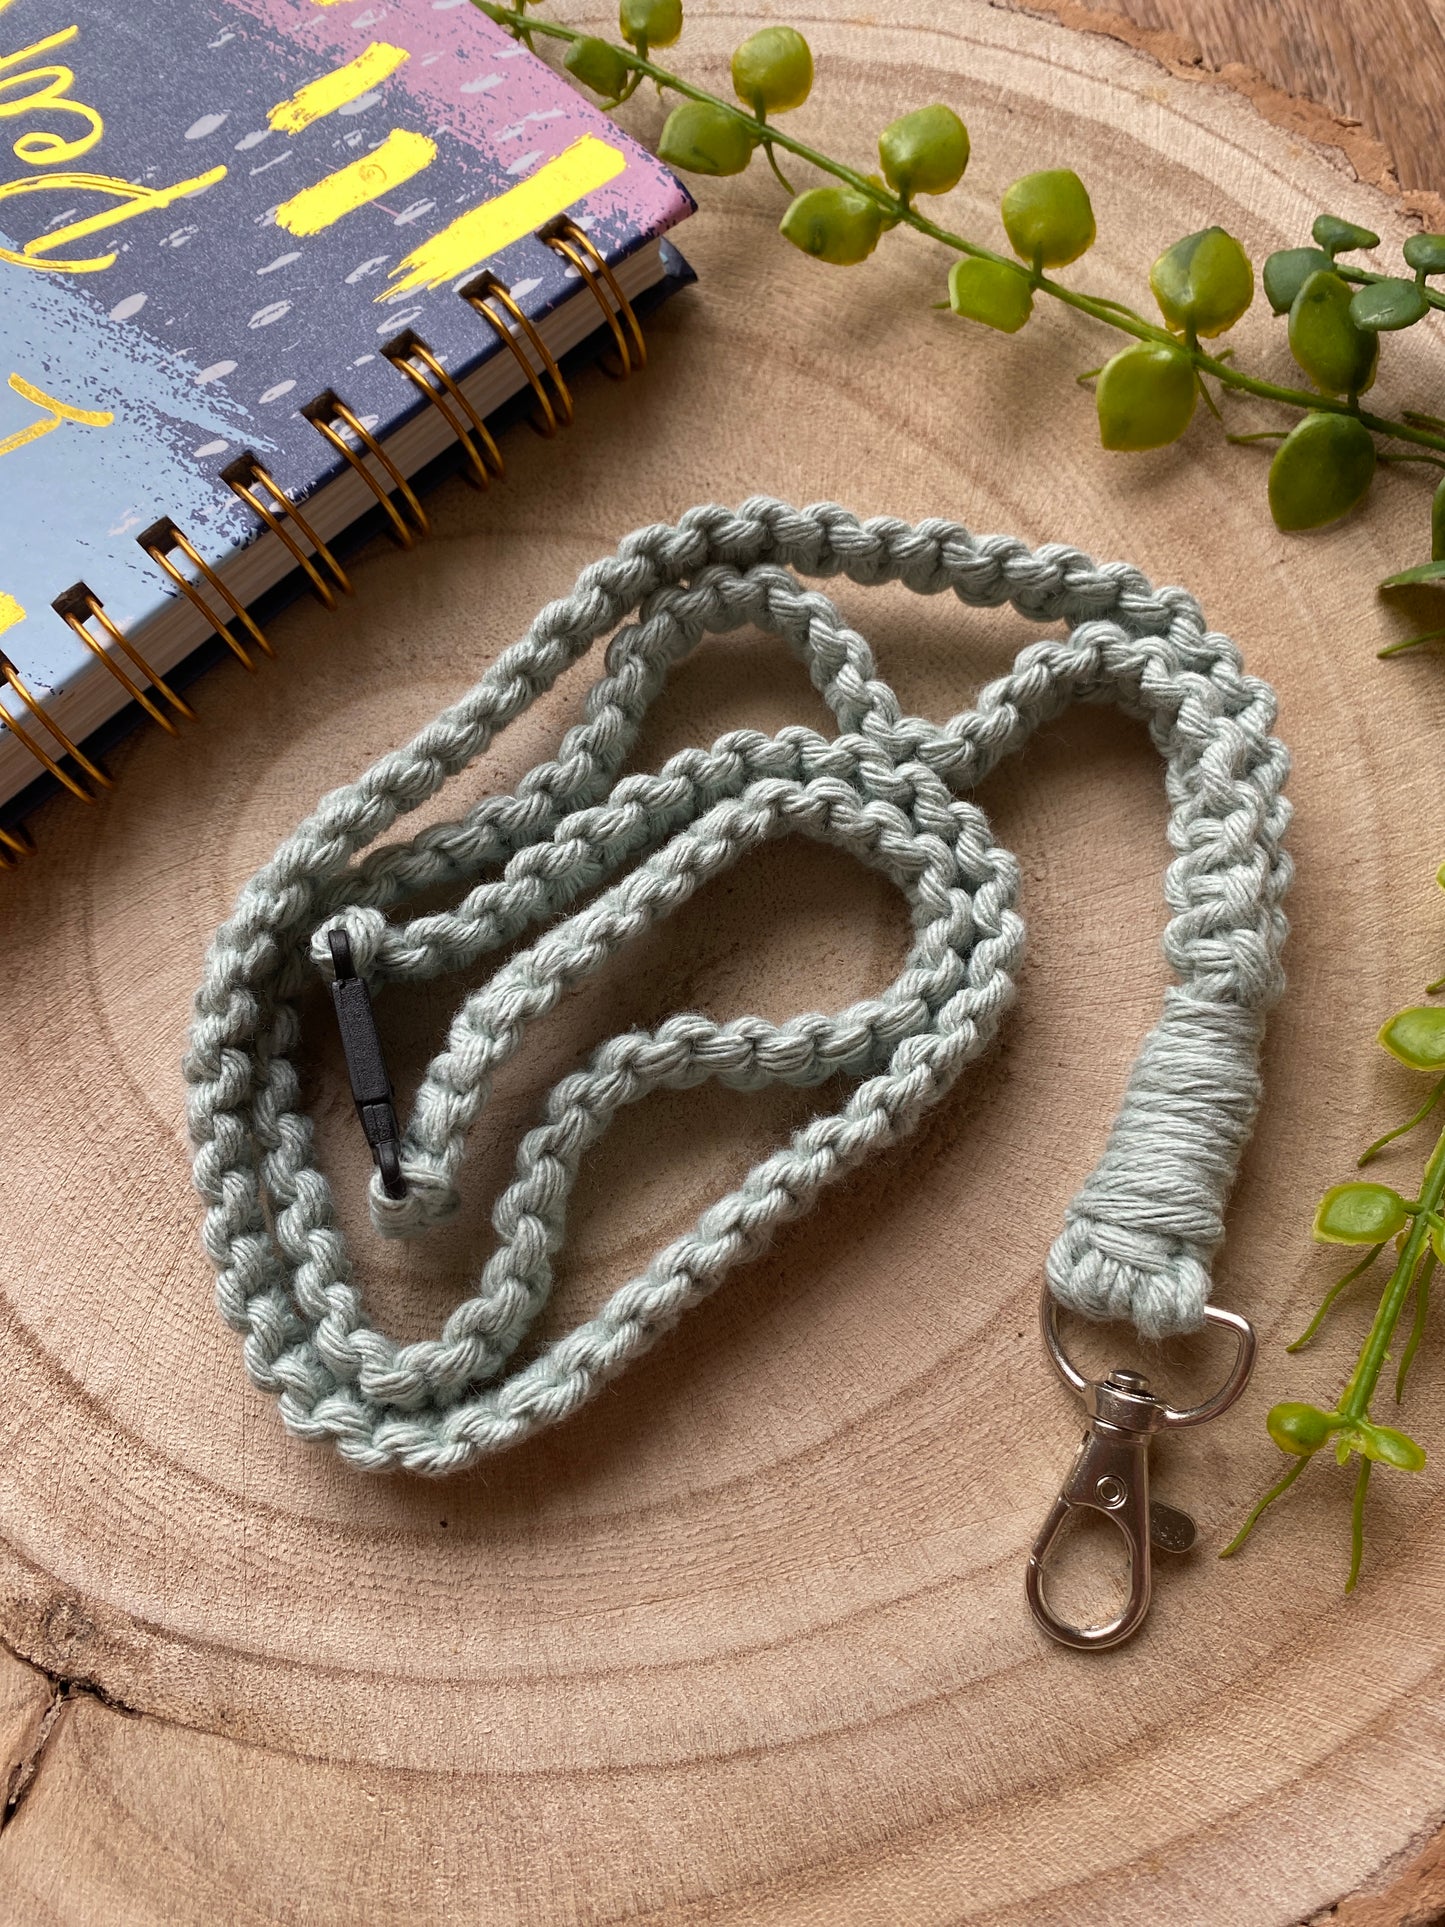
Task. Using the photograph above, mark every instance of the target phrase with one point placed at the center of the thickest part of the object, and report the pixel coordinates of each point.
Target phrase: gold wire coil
(75, 608)
(15, 845)
(47, 722)
(164, 536)
(323, 414)
(243, 477)
(564, 237)
(484, 458)
(554, 410)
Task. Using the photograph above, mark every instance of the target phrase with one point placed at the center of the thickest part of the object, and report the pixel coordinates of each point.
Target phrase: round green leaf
(924, 152)
(1324, 339)
(1437, 525)
(773, 70)
(1321, 470)
(1299, 1428)
(1417, 1037)
(1387, 1445)
(1383, 306)
(1145, 396)
(1360, 1214)
(650, 23)
(598, 65)
(1204, 282)
(700, 138)
(1425, 253)
(1336, 236)
(1049, 218)
(836, 224)
(1286, 271)
(991, 292)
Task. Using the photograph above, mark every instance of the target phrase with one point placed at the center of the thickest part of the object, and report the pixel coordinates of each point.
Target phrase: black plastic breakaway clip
(366, 1064)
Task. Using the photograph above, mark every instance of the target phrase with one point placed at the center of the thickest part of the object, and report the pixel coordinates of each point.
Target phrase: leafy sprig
(1146, 394)
(1375, 1216)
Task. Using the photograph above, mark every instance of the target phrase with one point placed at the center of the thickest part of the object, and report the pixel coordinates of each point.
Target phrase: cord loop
(587, 859)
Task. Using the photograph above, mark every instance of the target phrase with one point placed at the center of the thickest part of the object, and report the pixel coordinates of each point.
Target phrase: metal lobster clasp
(1110, 1474)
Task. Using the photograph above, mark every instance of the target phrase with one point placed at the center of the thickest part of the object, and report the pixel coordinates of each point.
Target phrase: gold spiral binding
(323, 415)
(158, 541)
(564, 237)
(76, 607)
(484, 458)
(553, 410)
(47, 722)
(15, 845)
(243, 477)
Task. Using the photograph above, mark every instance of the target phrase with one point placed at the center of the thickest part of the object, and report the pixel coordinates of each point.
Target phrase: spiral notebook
(267, 269)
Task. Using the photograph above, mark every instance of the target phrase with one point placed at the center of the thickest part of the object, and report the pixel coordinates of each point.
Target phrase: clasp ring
(1110, 1473)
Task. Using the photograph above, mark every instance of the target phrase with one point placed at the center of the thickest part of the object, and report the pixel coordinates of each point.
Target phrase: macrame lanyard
(887, 788)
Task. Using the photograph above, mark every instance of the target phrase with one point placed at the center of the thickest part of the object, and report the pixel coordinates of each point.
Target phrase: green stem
(1280, 1485)
(1417, 1330)
(1354, 1272)
(1357, 1523)
(1113, 314)
(1354, 1407)
(1410, 642)
(1372, 1151)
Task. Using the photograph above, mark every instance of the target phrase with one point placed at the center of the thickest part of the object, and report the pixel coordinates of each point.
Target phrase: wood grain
(1378, 70)
(746, 1641)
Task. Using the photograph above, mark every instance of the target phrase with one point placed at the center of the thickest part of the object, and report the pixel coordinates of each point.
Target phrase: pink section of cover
(472, 79)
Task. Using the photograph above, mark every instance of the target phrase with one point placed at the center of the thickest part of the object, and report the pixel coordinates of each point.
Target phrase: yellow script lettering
(49, 86)
(134, 198)
(53, 413)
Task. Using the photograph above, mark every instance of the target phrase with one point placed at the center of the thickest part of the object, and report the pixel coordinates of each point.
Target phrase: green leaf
(1049, 218)
(1386, 1445)
(1321, 470)
(1360, 1214)
(991, 292)
(1423, 572)
(836, 224)
(773, 70)
(924, 152)
(598, 65)
(1417, 1037)
(1383, 306)
(1325, 340)
(1300, 1428)
(1336, 236)
(1437, 523)
(1145, 396)
(1204, 282)
(1287, 270)
(700, 138)
(650, 23)
(1425, 253)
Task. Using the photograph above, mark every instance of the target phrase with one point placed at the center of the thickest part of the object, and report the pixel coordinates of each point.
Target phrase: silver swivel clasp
(1110, 1474)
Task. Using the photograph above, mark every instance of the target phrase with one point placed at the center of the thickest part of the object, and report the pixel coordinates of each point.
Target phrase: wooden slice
(746, 1641)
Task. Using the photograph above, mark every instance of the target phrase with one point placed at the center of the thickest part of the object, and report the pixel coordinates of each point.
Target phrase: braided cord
(591, 858)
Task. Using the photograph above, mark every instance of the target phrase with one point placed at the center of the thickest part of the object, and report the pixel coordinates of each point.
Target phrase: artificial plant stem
(1112, 314)
(1355, 1405)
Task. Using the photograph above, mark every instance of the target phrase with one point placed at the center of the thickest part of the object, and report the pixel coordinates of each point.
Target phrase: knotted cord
(594, 858)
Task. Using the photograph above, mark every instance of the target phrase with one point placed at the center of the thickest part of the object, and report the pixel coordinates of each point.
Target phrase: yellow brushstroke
(330, 3)
(343, 84)
(53, 413)
(10, 612)
(399, 156)
(138, 199)
(478, 234)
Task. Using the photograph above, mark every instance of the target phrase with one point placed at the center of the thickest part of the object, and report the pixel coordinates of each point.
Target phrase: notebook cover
(211, 211)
